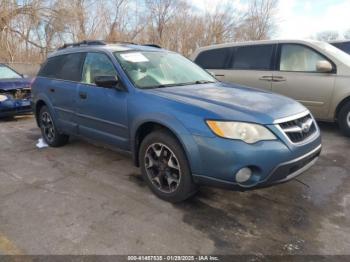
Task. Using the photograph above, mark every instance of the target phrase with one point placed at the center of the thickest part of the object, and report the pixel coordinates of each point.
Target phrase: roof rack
(100, 42)
(83, 43)
(153, 45)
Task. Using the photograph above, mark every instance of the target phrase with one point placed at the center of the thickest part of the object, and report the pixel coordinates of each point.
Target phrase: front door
(298, 78)
(102, 112)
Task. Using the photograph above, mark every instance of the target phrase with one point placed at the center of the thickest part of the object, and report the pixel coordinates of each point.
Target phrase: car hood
(12, 84)
(234, 102)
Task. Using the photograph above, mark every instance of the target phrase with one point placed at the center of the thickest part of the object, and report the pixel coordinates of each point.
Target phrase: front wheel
(344, 119)
(49, 130)
(165, 167)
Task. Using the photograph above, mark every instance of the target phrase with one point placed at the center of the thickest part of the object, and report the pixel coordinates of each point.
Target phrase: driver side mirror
(107, 81)
(324, 66)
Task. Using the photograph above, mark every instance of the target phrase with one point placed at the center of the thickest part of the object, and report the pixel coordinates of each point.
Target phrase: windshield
(6, 73)
(336, 52)
(161, 69)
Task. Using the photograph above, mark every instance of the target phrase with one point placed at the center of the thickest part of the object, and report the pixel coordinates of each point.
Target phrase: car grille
(300, 129)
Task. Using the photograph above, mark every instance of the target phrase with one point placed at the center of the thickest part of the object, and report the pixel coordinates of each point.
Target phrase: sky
(299, 18)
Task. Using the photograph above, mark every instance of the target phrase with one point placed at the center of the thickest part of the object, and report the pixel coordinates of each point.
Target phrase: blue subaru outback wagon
(182, 126)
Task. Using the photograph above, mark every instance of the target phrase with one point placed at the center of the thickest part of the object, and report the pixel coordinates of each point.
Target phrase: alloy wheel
(162, 167)
(47, 126)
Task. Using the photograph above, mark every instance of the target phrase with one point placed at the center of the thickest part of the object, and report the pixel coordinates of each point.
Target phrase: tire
(49, 131)
(344, 119)
(165, 168)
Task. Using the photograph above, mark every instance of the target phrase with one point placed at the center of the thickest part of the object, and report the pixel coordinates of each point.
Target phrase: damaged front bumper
(17, 102)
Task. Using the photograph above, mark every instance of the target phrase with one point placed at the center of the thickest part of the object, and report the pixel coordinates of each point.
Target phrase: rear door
(249, 65)
(298, 78)
(252, 66)
(63, 74)
(102, 112)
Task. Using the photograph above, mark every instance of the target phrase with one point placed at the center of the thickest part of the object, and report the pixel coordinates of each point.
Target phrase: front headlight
(3, 98)
(247, 132)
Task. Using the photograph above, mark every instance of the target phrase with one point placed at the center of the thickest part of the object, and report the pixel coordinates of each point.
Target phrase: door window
(97, 64)
(299, 58)
(214, 59)
(65, 67)
(253, 57)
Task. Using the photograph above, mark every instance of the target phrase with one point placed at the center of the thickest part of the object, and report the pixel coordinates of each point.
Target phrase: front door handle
(266, 78)
(83, 95)
(279, 79)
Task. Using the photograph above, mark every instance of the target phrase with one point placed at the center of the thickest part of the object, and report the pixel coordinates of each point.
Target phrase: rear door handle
(279, 79)
(82, 95)
(52, 90)
(266, 78)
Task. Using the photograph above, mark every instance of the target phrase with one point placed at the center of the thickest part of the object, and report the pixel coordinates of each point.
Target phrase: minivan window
(253, 57)
(161, 69)
(214, 58)
(299, 58)
(65, 67)
(97, 64)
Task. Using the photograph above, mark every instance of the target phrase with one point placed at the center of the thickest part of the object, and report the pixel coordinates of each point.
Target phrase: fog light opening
(243, 175)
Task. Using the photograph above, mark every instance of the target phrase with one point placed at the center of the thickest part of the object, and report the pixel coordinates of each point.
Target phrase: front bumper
(272, 162)
(13, 107)
(291, 169)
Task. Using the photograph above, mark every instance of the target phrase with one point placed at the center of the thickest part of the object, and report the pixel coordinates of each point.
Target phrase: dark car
(182, 126)
(15, 93)
(342, 45)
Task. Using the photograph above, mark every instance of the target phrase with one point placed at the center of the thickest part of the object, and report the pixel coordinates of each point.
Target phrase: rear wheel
(344, 119)
(49, 130)
(165, 167)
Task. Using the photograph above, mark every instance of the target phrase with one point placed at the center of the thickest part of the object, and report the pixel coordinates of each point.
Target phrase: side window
(50, 68)
(214, 59)
(71, 67)
(97, 64)
(299, 58)
(253, 57)
(65, 67)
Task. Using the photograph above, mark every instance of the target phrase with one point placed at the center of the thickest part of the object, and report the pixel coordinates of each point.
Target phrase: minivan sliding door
(251, 65)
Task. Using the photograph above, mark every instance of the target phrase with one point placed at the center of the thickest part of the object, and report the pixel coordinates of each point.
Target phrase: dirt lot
(83, 199)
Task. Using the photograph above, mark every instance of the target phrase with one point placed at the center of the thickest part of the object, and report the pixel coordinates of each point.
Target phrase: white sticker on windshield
(134, 57)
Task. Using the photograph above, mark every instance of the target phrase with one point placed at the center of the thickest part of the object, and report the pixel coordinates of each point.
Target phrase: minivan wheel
(344, 119)
(165, 168)
(49, 130)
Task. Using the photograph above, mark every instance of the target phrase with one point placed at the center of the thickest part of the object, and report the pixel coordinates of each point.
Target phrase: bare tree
(258, 22)
(347, 34)
(327, 36)
(161, 12)
(30, 29)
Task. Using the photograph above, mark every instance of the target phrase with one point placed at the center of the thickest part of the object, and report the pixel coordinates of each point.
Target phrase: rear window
(254, 57)
(214, 58)
(65, 67)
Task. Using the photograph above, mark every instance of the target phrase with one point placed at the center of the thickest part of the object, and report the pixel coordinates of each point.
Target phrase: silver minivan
(314, 73)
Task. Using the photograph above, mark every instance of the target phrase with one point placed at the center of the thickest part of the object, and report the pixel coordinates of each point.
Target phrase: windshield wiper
(182, 84)
(198, 82)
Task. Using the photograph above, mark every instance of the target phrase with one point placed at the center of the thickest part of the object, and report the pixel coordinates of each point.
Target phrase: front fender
(177, 128)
